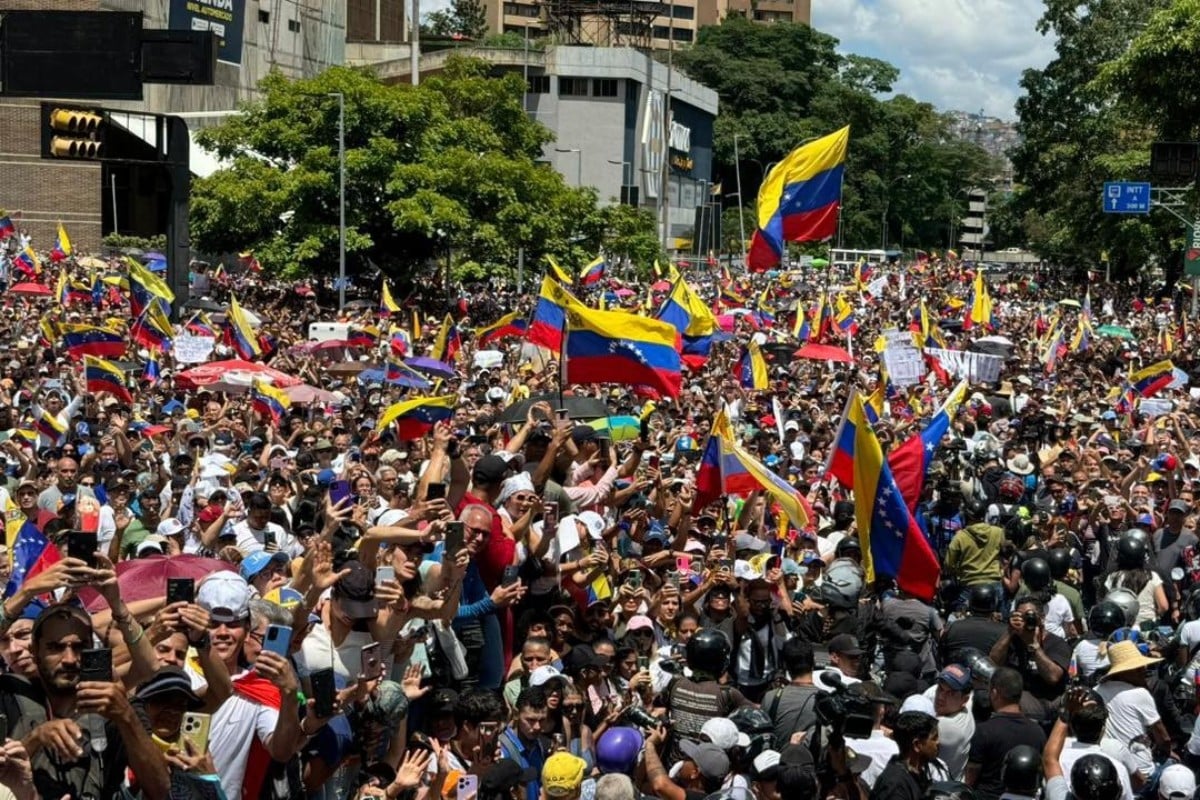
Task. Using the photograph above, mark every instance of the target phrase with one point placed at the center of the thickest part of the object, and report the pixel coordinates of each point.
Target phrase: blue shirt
(532, 755)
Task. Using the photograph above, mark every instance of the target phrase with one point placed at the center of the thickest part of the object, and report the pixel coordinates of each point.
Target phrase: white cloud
(956, 54)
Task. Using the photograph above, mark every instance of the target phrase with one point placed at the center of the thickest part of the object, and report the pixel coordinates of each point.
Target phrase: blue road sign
(1126, 197)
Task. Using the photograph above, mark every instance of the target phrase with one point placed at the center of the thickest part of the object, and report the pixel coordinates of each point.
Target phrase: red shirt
(500, 549)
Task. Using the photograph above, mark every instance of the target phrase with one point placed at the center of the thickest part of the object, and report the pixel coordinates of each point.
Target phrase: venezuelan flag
(152, 370)
(731, 297)
(513, 324)
(414, 418)
(892, 543)
(367, 336)
(874, 404)
(800, 199)
(549, 315)
(400, 344)
(599, 589)
(401, 374)
(62, 245)
(50, 427)
(558, 272)
(152, 329)
(752, 369)
(60, 288)
(618, 347)
(1151, 380)
(201, 325)
(979, 310)
(152, 284)
(387, 306)
(910, 461)
(242, 335)
(7, 229)
(593, 272)
(88, 340)
(445, 347)
(688, 314)
(844, 318)
(27, 263)
(105, 376)
(269, 401)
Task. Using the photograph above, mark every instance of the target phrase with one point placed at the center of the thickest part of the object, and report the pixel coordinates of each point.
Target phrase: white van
(328, 331)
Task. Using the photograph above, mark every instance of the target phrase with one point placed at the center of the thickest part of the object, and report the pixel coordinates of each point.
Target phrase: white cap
(391, 517)
(543, 674)
(918, 702)
(791, 425)
(1177, 782)
(496, 394)
(765, 760)
(594, 522)
(169, 527)
(151, 544)
(225, 595)
(724, 734)
(744, 572)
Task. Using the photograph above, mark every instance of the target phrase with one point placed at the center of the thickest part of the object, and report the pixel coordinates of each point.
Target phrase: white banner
(193, 349)
(975, 367)
(905, 367)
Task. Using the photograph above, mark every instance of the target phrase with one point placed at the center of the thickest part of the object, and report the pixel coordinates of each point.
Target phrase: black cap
(583, 433)
(443, 701)
(489, 470)
(167, 681)
(355, 592)
(506, 775)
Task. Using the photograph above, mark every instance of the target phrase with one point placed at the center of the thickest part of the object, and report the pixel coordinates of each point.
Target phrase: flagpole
(562, 360)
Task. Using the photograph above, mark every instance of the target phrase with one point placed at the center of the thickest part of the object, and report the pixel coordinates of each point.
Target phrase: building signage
(653, 149)
(681, 137)
(225, 18)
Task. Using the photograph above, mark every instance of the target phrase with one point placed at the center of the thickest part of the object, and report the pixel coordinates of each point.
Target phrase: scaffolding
(602, 23)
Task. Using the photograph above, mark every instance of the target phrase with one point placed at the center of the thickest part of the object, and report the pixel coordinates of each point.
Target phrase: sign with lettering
(225, 18)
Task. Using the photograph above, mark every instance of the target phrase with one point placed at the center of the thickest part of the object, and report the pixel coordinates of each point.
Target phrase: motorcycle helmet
(983, 598)
(618, 750)
(708, 653)
(755, 723)
(1059, 560)
(1022, 771)
(1105, 617)
(1131, 550)
(974, 509)
(1011, 488)
(1036, 574)
(949, 790)
(1093, 777)
(1128, 602)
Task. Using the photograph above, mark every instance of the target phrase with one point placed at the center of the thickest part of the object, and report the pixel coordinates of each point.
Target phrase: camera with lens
(638, 717)
(845, 711)
(1031, 620)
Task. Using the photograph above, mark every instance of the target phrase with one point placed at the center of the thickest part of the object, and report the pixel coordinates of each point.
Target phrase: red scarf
(257, 689)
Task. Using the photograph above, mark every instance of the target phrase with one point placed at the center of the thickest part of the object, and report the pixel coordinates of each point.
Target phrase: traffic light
(72, 132)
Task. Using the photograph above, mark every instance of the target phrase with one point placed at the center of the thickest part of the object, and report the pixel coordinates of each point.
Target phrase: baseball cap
(766, 765)
(639, 622)
(65, 611)
(845, 644)
(543, 674)
(167, 681)
(504, 776)
(1177, 782)
(355, 592)
(326, 477)
(562, 774)
(708, 758)
(169, 527)
(746, 541)
(594, 522)
(443, 701)
(583, 433)
(259, 560)
(225, 595)
(956, 676)
(151, 544)
(1178, 505)
(918, 702)
(489, 470)
(722, 732)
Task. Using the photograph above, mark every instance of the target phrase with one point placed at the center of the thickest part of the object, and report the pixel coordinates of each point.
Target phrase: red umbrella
(146, 578)
(214, 371)
(305, 394)
(31, 288)
(660, 286)
(824, 352)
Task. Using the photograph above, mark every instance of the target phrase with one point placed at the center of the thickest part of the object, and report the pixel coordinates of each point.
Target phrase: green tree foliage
(465, 19)
(445, 170)
(1076, 135)
(784, 83)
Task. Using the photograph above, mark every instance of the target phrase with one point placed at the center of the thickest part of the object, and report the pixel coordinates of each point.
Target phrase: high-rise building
(631, 23)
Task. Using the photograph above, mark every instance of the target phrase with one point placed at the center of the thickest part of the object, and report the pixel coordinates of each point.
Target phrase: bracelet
(131, 642)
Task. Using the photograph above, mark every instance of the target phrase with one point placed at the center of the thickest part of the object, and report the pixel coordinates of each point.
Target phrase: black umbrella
(577, 407)
(991, 348)
(778, 352)
(203, 305)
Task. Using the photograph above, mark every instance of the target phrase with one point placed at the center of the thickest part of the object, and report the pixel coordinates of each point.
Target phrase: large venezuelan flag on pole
(618, 347)
(892, 543)
(800, 199)
(546, 327)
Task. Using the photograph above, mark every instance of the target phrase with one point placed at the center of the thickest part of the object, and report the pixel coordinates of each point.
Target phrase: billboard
(225, 18)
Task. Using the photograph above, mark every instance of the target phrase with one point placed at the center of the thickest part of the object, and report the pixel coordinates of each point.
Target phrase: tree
(446, 170)
(465, 19)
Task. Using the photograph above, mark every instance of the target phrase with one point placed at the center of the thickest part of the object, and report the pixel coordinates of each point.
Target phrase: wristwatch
(202, 643)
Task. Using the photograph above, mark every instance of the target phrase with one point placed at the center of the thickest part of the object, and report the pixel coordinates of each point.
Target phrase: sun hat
(1125, 656)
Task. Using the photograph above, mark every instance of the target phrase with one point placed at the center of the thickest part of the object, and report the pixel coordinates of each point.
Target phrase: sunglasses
(572, 708)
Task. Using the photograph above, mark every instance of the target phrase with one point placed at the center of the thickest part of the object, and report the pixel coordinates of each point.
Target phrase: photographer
(759, 634)
(1041, 658)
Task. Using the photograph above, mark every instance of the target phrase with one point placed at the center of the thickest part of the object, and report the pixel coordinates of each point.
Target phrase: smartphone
(468, 787)
(683, 564)
(719, 540)
(488, 731)
(634, 579)
(655, 461)
(195, 730)
(549, 515)
(269, 539)
(278, 640)
(562, 414)
(512, 575)
(278, 463)
(181, 590)
(454, 538)
(384, 574)
(338, 491)
(323, 692)
(435, 491)
(695, 565)
(96, 665)
(643, 663)
(370, 660)
(673, 578)
(3, 727)
(558, 742)
(82, 545)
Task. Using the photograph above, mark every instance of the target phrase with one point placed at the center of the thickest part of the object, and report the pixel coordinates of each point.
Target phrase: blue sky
(957, 54)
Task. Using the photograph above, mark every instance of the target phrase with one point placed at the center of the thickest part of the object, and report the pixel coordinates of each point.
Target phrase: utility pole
(342, 196)
(414, 43)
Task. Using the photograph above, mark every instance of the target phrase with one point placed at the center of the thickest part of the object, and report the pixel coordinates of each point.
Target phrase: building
(974, 225)
(631, 23)
(607, 108)
(300, 38)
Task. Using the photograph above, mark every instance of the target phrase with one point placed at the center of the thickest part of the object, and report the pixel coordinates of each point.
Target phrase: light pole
(341, 198)
(737, 170)
(578, 164)
(622, 165)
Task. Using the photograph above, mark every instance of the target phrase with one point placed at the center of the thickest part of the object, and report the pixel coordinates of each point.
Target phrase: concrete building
(631, 23)
(607, 108)
(300, 38)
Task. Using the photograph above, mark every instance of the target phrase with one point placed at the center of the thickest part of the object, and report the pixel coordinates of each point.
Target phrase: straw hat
(1125, 656)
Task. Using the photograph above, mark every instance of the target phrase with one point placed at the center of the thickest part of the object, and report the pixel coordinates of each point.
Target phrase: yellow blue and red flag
(241, 335)
(152, 370)
(50, 426)
(618, 347)
(62, 245)
(401, 374)
(513, 324)
(694, 321)
(387, 306)
(558, 272)
(979, 308)
(752, 368)
(448, 341)
(800, 199)
(104, 376)
(89, 340)
(7, 229)
(1151, 380)
(27, 262)
(593, 272)
(414, 418)
(269, 401)
(152, 329)
(549, 315)
(844, 318)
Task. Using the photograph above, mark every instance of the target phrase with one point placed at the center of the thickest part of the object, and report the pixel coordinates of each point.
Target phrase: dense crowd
(526, 601)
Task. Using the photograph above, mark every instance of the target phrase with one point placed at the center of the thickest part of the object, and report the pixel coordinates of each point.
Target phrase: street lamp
(578, 164)
(623, 194)
(341, 198)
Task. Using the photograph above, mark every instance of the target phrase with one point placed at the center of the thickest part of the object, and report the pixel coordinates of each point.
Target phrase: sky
(957, 54)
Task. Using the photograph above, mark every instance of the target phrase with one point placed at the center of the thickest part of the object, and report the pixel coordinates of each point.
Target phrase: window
(264, 16)
(294, 25)
(681, 34)
(662, 32)
(539, 84)
(572, 87)
(683, 12)
(520, 9)
(604, 87)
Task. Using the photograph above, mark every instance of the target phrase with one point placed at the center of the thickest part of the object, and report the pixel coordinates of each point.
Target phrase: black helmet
(1131, 550)
(983, 598)
(1022, 771)
(949, 790)
(1036, 574)
(1105, 617)
(1059, 560)
(708, 653)
(1094, 777)
(974, 509)
(843, 510)
(755, 723)
(846, 545)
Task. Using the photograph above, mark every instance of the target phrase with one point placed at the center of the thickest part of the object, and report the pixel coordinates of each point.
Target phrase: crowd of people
(525, 601)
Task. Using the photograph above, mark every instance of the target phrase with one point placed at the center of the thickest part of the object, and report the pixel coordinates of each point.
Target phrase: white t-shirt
(1058, 616)
(234, 727)
(879, 748)
(1189, 639)
(954, 735)
(317, 652)
(1087, 658)
(251, 541)
(1131, 711)
(1074, 750)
